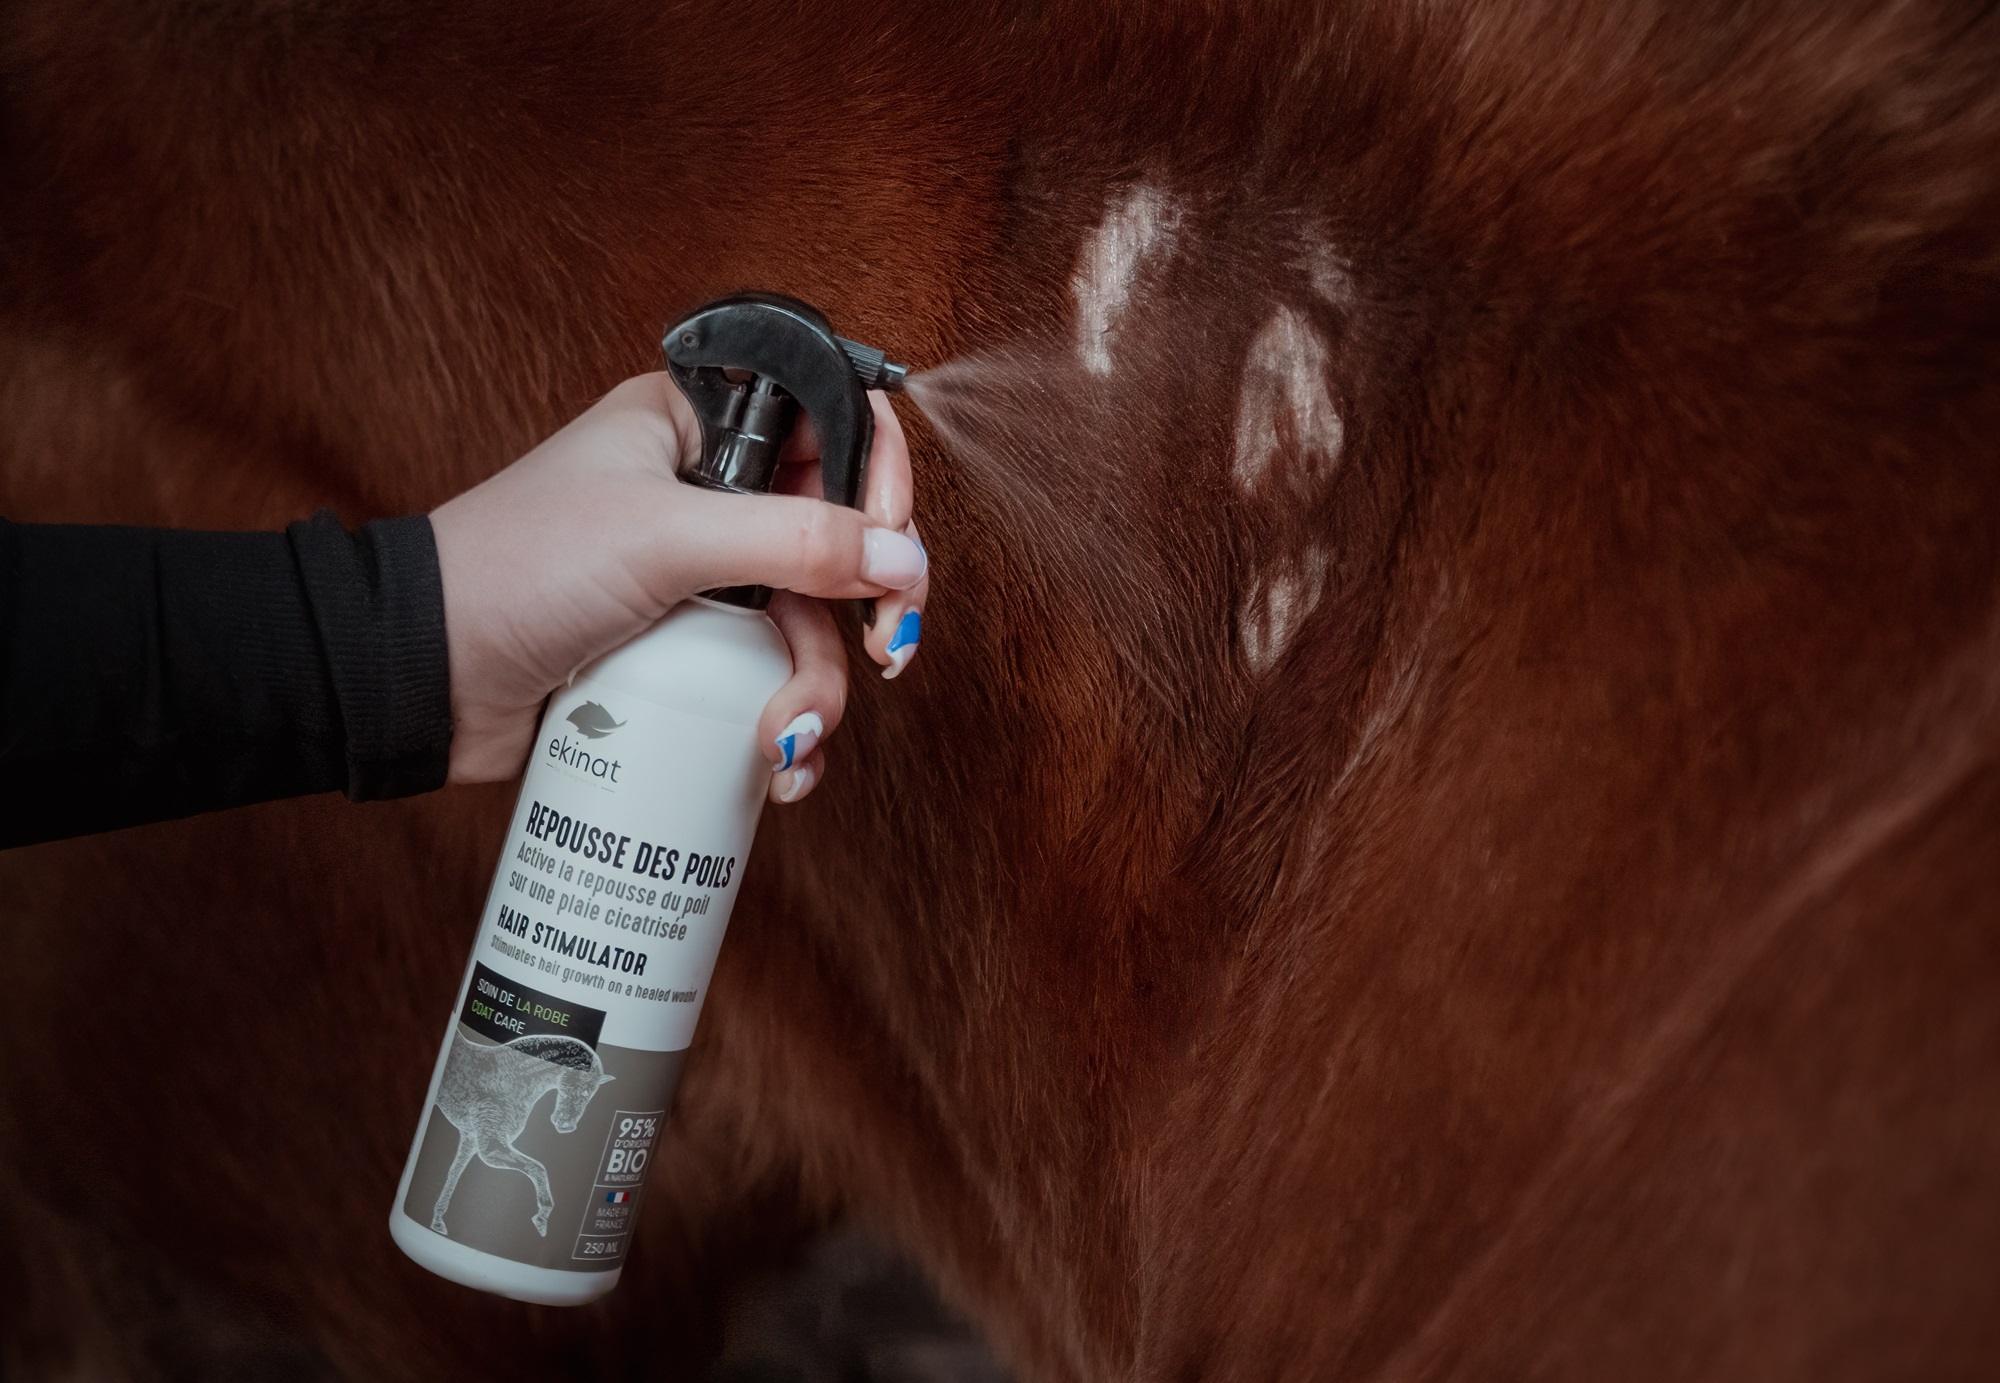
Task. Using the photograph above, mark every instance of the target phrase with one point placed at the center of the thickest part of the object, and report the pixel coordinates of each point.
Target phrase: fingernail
(889, 559)
(903, 643)
(795, 784)
(796, 740)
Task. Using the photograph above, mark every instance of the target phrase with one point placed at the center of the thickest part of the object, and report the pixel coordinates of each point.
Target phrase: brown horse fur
(1445, 824)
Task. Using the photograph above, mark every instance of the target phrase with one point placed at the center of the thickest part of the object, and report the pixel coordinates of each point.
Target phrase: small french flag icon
(617, 1197)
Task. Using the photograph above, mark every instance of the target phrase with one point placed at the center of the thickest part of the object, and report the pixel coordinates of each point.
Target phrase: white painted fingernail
(795, 784)
(889, 559)
(797, 739)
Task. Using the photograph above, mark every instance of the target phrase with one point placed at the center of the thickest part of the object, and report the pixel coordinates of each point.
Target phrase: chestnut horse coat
(1445, 825)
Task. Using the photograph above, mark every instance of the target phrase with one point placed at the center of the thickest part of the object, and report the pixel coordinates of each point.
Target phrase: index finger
(890, 489)
(887, 496)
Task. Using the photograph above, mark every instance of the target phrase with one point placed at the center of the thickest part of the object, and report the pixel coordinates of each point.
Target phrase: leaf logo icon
(593, 720)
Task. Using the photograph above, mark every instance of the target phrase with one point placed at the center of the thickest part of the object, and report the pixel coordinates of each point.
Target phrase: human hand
(590, 539)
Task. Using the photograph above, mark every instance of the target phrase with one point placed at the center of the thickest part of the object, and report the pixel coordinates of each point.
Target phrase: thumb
(792, 543)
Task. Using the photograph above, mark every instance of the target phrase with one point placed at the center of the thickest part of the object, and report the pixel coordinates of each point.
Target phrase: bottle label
(592, 960)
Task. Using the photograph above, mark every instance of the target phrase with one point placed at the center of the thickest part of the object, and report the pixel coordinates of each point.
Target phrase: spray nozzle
(747, 364)
(877, 371)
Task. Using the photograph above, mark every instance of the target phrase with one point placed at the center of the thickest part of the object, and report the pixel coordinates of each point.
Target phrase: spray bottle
(622, 862)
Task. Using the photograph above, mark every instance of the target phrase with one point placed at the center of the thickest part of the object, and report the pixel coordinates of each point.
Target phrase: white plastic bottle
(593, 956)
(622, 863)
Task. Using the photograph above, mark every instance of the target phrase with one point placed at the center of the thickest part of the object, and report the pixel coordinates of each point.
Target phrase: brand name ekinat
(573, 754)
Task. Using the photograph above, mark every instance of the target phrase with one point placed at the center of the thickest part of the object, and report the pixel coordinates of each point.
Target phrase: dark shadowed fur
(1556, 939)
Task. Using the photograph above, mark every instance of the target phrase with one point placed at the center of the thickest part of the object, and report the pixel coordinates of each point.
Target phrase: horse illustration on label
(488, 1092)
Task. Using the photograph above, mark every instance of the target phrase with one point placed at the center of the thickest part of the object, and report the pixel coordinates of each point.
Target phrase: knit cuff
(378, 606)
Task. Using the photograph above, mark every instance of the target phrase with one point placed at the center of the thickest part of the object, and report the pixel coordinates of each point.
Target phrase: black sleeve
(154, 673)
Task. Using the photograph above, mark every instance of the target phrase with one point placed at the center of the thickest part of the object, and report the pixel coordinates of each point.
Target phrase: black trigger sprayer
(623, 859)
(747, 365)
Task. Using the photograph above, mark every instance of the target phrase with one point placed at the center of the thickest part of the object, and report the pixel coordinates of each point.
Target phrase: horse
(1443, 824)
(487, 1093)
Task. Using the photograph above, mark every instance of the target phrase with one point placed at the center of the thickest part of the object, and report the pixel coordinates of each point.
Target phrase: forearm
(154, 673)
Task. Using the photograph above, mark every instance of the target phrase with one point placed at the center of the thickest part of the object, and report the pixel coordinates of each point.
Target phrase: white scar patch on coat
(1284, 400)
(1270, 614)
(1143, 223)
(1330, 275)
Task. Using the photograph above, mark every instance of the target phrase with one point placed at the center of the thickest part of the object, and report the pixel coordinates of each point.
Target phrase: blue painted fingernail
(903, 643)
(797, 739)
